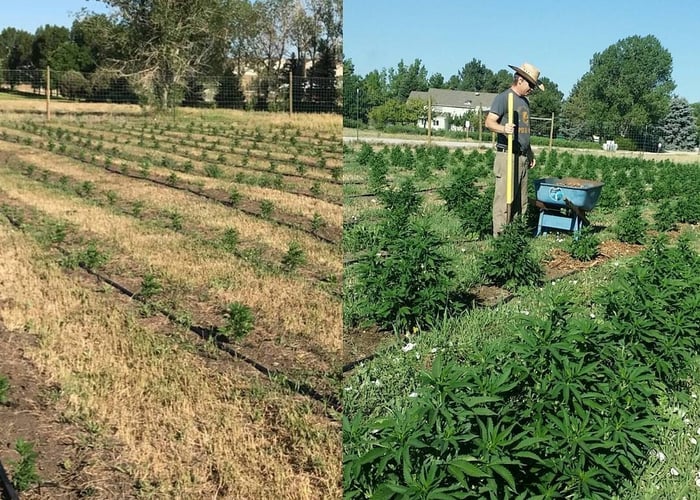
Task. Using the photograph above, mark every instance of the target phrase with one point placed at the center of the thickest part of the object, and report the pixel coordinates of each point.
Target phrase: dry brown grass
(322, 123)
(188, 428)
(38, 106)
(207, 214)
(316, 314)
(290, 203)
(187, 425)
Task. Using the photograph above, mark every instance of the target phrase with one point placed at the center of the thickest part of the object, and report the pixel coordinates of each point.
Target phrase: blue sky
(557, 36)
(42, 12)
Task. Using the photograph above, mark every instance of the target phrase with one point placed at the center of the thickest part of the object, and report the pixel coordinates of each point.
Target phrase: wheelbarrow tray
(582, 193)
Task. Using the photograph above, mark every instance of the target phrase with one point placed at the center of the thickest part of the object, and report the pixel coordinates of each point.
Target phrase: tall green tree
(679, 128)
(229, 93)
(46, 40)
(474, 76)
(407, 78)
(69, 56)
(374, 90)
(628, 84)
(351, 93)
(499, 81)
(436, 81)
(95, 35)
(696, 113)
(322, 96)
(543, 103)
(15, 48)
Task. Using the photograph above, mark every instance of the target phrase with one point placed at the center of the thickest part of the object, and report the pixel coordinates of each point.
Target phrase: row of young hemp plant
(569, 411)
(291, 177)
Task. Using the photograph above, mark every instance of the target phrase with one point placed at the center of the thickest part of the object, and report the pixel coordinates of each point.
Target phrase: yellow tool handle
(510, 195)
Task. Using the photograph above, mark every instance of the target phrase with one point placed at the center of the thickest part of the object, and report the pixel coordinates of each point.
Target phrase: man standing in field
(525, 79)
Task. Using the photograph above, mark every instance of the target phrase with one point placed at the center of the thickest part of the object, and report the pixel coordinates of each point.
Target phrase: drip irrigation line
(8, 491)
(227, 203)
(367, 195)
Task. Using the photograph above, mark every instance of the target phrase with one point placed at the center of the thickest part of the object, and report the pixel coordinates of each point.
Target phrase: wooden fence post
(48, 93)
(430, 118)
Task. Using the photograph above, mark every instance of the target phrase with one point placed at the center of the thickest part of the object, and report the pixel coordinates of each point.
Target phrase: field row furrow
(249, 156)
(180, 160)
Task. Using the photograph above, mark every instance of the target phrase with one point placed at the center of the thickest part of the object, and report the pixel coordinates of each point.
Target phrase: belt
(504, 149)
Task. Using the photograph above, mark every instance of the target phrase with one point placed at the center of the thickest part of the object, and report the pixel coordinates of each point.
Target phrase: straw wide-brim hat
(530, 73)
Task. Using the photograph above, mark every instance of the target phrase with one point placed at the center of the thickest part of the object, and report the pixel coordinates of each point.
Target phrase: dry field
(128, 242)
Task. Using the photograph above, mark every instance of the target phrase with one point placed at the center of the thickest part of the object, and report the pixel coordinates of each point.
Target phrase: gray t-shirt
(521, 118)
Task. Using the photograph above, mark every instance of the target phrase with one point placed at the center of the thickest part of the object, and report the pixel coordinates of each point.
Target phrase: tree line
(628, 88)
(161, 51)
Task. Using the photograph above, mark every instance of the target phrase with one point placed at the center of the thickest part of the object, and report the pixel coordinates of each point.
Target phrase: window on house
(436, 122)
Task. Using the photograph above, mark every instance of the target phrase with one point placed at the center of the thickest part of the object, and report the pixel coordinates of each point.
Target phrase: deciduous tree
(629, 83)
(168, 41)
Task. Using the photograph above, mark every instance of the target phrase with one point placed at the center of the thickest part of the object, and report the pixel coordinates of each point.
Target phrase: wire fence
(285, 93)
(551, 131)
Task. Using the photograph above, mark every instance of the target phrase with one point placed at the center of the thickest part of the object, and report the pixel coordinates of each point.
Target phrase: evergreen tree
(322, 94)
(194, 93)
(351, 93)
(229, 94)
(679, 128)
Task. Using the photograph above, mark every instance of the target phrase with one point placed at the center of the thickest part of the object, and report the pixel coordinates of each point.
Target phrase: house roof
(455, 98)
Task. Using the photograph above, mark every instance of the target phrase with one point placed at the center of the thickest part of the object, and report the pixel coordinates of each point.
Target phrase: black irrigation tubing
(316, 277)
(367, 195)
(260, 170)
(210, 333)
(8, 491)
(172, 140)
(259, 156)
(227, 203)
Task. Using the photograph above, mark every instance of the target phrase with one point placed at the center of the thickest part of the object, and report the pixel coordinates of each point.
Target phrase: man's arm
(493, 125)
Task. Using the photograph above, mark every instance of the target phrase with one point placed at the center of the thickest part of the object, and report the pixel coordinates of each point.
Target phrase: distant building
(449, 104)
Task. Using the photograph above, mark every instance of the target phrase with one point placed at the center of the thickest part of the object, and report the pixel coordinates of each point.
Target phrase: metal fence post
(551, 133)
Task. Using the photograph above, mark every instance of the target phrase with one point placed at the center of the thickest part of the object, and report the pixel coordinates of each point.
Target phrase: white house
(455, 103)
